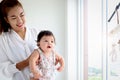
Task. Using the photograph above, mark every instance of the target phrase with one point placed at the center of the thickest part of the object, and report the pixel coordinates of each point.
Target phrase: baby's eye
(52, 41)
(46, 41)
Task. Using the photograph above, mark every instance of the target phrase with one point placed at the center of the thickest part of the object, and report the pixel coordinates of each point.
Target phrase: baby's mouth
(49, 47)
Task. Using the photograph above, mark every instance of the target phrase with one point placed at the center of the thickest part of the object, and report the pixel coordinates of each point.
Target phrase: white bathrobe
(13, 49)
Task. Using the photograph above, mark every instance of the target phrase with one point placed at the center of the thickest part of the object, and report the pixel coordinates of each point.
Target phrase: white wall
(48, 14)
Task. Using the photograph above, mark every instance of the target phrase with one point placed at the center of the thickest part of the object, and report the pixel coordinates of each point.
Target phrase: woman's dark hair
(44, 33)
(5, 6)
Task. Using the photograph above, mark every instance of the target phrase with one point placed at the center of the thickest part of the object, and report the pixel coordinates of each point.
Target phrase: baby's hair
(44, 33)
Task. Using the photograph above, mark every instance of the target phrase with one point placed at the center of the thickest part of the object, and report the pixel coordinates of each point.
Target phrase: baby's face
(47, 43)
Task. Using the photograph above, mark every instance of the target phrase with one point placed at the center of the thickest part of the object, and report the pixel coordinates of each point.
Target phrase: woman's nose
(19, 20)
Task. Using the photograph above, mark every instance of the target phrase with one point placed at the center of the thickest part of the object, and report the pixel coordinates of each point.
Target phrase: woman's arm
(21, 65)
(7, 68)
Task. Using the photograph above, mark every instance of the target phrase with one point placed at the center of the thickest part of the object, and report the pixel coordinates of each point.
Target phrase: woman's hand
(21, 65)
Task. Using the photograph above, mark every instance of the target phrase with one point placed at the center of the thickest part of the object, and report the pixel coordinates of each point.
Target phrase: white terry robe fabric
(13, 49)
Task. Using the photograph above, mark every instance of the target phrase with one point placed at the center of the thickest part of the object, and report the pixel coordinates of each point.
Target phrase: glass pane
(94, 40)
(113, 42)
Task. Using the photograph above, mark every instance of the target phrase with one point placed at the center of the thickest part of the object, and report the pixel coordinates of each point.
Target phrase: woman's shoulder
(2, 37)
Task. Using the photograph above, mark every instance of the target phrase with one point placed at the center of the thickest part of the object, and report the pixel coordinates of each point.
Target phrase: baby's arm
(33, 64)
(59, 59)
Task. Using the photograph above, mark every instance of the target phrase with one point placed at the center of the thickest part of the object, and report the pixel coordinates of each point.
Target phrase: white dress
(13, 49)
(47, 66)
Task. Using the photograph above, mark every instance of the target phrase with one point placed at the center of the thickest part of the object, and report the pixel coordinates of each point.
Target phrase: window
(87, 40)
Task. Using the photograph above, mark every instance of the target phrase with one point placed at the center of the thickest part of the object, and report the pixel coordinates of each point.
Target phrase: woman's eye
(13, 18)
(21, 15)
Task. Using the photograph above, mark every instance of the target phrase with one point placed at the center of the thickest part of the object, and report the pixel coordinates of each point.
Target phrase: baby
(43, 60)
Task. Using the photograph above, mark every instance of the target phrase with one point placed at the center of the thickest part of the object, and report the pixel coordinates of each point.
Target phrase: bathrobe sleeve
(7, 68)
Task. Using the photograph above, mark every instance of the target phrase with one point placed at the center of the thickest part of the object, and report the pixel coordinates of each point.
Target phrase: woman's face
(16, 18)
(47, 43)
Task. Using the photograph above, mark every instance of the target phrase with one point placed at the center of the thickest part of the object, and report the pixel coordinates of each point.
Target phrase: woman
(16, 41)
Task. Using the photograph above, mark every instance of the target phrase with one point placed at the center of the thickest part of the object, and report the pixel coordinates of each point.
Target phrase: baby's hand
(60, 68)
(36, 75)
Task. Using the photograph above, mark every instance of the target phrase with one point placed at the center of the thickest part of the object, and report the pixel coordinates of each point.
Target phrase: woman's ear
(6, 19)
(38, 44)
